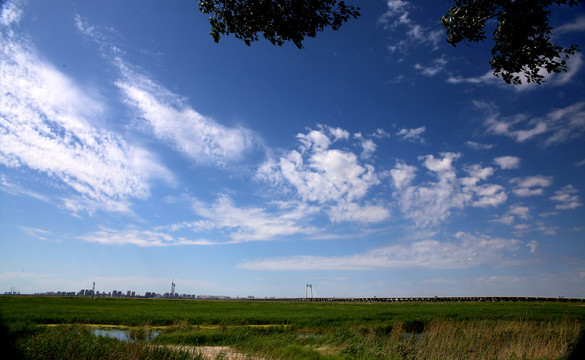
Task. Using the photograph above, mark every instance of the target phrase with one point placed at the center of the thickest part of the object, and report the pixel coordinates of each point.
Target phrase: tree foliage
(522, 35)
(278, 20)
(523, 47)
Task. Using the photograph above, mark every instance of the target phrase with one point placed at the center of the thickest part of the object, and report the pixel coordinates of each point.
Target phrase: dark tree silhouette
(278, 20)
(522, 35)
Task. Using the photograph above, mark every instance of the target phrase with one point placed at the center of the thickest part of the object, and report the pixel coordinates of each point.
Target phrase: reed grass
(497, 340)
(438, 339)
(74, 342)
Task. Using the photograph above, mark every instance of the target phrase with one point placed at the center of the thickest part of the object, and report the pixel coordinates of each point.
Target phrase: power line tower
(173, 288)
(307, 287)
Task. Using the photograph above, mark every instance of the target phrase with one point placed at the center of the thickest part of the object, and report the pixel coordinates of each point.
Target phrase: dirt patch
(327, 350)
(213, 352)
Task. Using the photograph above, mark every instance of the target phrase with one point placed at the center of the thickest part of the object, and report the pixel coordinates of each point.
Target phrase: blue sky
(377, 161)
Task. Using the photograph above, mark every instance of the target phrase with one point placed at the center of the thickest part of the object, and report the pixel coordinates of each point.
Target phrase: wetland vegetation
(63, 328)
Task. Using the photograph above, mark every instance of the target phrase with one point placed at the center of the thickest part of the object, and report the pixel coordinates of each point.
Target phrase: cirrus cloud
(46, 126)
(557, 126)
(169, 117)
(463, 252)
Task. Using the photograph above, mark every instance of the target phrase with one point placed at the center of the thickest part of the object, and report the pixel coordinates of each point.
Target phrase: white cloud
(380, 134)
(504, 219)
(413, 135)
(437, 66)
(403, 175)
(329, 177)
(337, 133)
(508, 162)
(510, 216)
(348, 211)
(269, 172)
(533, 245)
(478, 146)
(574, 64)
(253, 223)
(523, 229)
(559, 125)
(476, 173)
(431, 203)
(242, 224)
(168, 116)
(327, 174)
(369, 148)
(567, 198)
(466, 251)
(46, 126)
(10, 14)
(396, 7)
(486, 79)
(505, 127)
(443, 165)
(566, 123)
(85, 28)
(577, 25)
(368, 145)
(489, 195)
(398, 16)
(531, 185)
(521, 211)
(141, 238)
(18, 190)
(198, 137)
(314, 139)
(37, 233)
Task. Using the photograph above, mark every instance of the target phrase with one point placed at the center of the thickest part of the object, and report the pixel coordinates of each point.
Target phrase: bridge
(433, 299)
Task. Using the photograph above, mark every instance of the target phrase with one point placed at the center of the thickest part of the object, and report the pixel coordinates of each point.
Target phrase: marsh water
(126, 335)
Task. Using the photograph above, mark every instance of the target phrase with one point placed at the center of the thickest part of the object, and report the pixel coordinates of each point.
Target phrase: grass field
(295, 330)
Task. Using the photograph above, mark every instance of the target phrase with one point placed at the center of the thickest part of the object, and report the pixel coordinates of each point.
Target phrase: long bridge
(433, 299)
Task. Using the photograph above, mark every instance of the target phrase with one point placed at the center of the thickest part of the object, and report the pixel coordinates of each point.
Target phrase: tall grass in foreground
(497, 340)
(438, 339)
(447, 339)
(77, 343)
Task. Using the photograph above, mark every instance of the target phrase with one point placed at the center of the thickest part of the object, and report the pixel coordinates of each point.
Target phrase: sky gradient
(378, 161)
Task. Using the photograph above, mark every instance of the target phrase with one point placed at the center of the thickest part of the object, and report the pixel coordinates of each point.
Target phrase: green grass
(304, 330)
(135, 312)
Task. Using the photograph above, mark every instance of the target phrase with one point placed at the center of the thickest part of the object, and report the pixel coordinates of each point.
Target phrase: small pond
(126, 335)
